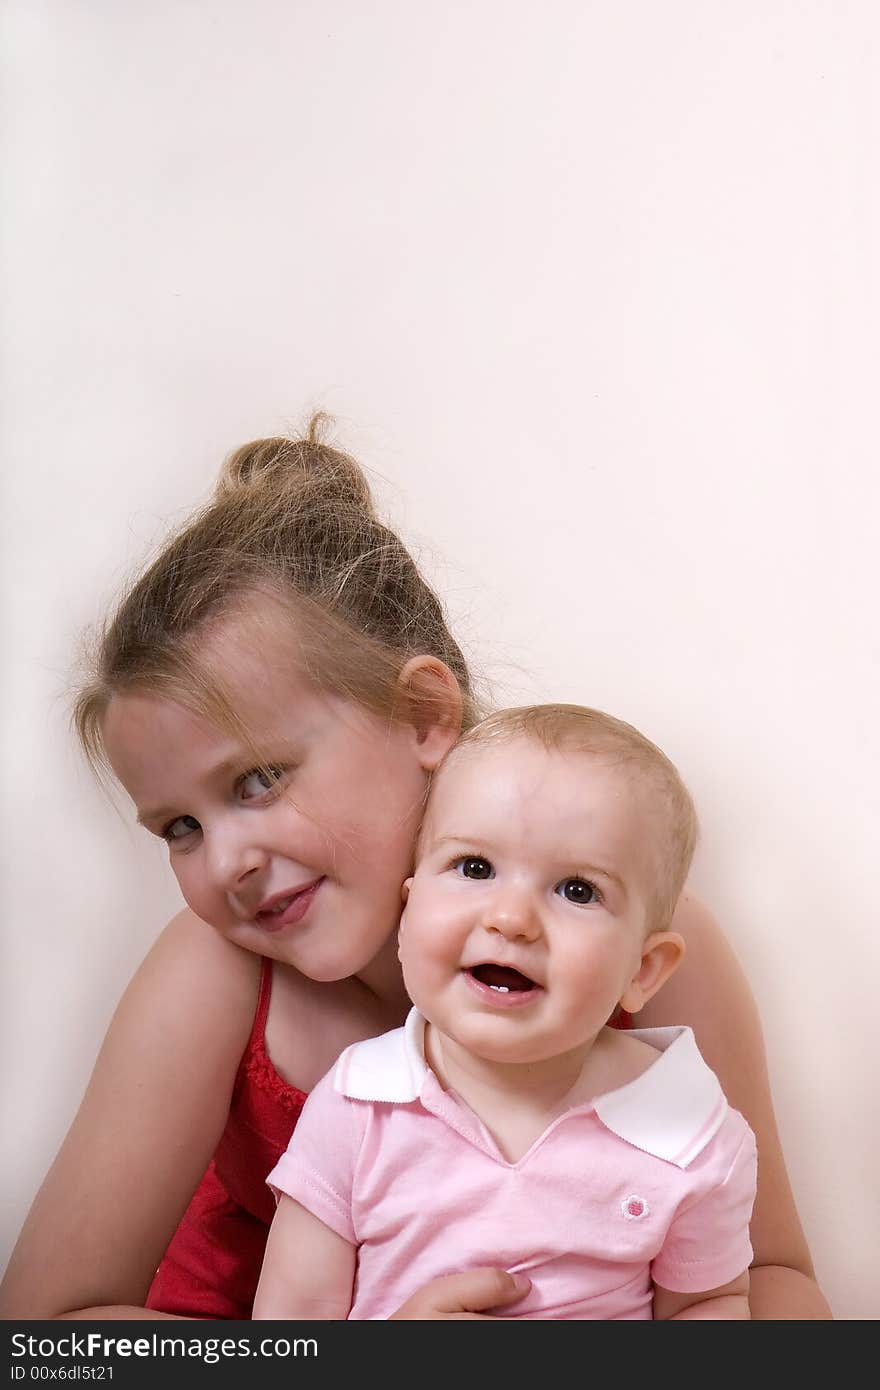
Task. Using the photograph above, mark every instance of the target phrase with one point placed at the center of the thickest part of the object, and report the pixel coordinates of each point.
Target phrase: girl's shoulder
(709, 986)
(694, 919)
(197, 983)
(187, 932)
(711, 994)
(189, 945)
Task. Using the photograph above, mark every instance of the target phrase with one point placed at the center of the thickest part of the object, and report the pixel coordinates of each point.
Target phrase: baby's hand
(464, 1295)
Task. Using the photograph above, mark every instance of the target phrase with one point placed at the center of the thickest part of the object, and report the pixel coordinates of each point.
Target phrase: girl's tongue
(502, 977)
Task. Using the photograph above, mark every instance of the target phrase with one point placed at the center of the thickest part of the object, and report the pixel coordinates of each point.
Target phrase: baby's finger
(464, 1295)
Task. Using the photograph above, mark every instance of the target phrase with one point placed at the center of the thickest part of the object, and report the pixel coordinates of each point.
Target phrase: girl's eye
(578, 891)
(179, 829)
(472, 866)
(258, 781)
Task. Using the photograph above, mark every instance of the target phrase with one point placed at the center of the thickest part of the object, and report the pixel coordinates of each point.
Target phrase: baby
(516, 1121)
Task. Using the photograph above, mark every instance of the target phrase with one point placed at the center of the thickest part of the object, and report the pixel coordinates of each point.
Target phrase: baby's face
(528, 910)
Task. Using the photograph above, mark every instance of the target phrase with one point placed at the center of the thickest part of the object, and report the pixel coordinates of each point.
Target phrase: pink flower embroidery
(634, 1207)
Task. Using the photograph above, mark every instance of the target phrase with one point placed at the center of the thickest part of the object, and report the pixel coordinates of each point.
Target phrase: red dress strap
(258, 1032)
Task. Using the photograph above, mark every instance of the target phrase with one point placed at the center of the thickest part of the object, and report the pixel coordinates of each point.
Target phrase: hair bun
(304, 464)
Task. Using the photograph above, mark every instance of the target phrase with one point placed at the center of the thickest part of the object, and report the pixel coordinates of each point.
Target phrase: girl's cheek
(193, 891)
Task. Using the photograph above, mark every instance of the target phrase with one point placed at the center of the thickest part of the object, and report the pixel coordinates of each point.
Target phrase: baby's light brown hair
(576, 729)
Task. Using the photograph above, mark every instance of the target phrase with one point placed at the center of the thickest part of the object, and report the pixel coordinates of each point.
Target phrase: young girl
(274, 694)
(506, 1123)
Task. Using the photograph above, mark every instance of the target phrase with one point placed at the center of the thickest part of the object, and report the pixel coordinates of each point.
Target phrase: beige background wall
(593, 287)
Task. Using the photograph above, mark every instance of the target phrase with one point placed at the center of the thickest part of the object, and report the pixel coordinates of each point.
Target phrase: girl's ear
(662, 954)
(432, 704)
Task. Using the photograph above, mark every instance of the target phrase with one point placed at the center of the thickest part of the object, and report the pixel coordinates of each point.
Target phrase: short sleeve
(318, 1165)
(708, 1241)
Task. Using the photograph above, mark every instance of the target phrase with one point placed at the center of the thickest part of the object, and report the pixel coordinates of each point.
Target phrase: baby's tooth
(501, 989)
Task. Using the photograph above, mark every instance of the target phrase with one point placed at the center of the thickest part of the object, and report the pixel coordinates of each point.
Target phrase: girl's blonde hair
(292, 522)
(576, 729)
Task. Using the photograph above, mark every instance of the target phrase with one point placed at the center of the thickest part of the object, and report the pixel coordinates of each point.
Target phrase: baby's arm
(702, 1268)
(729, 1303)
(308, 1270)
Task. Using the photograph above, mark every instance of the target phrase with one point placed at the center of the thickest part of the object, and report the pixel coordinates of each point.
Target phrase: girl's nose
(234, 860)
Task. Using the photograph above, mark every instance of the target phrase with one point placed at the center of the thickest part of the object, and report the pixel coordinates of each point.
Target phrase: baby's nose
(514, 914)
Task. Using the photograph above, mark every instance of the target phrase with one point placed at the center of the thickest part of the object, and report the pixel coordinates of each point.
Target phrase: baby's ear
(404, 893)
(662, 954)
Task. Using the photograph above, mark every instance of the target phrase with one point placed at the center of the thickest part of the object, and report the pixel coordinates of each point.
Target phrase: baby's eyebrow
(460, 841)
(596, 871)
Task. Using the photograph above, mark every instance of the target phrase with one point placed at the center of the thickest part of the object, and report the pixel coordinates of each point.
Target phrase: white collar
(672, 1110)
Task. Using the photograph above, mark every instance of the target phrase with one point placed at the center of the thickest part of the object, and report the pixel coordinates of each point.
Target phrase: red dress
(211, 1267)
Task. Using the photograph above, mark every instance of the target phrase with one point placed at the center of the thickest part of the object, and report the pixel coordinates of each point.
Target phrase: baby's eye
(578, 891)
(473, 866)
(258, 781)
(179, 829)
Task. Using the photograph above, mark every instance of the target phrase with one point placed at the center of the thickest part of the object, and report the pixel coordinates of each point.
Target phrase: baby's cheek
(413, 951)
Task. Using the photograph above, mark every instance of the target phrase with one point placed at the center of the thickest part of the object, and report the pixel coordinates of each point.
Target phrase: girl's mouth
(288, 910)
(501, 985)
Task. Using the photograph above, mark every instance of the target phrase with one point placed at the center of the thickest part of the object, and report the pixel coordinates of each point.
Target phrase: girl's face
(305, 864)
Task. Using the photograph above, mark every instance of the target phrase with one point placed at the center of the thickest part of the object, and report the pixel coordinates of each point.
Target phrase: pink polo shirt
(655, 1180)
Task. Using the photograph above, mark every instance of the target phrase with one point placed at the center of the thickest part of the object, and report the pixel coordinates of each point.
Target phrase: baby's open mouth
(502, 978)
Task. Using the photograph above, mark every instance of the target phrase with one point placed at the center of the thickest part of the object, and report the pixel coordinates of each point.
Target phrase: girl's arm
(710, 993)
(729, 1303)
(148, 1125)
(308, 1270)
